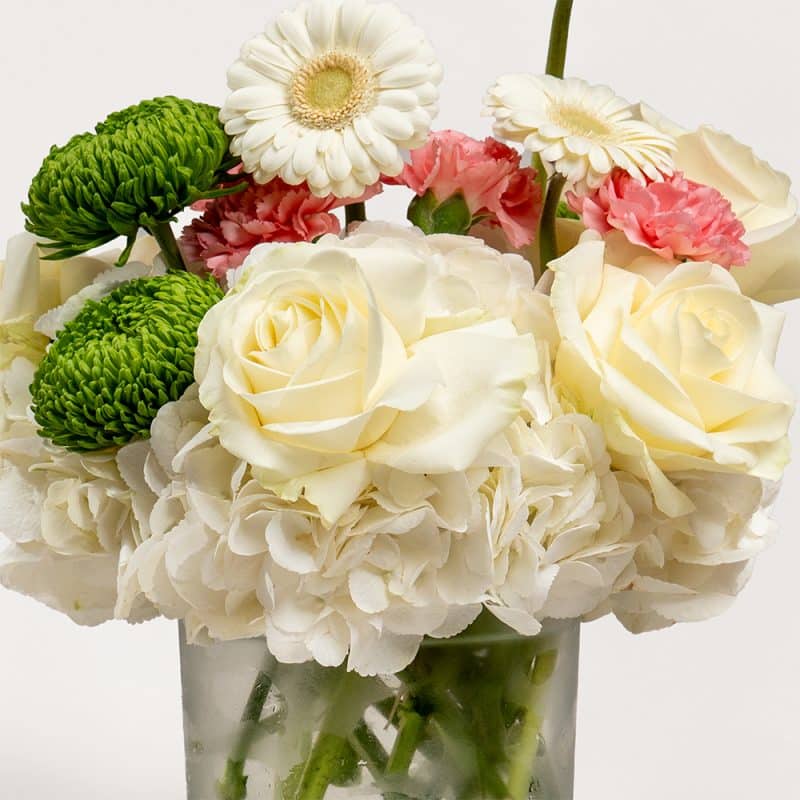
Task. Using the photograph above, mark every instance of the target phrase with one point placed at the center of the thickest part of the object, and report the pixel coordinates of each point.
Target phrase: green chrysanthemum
(140, 167)
(120, 360)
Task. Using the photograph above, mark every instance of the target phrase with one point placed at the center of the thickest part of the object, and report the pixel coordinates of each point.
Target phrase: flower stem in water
(233, 784)
(521, 769)
(411, 732)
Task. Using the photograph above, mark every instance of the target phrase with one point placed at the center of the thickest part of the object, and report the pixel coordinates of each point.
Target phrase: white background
(707, 711)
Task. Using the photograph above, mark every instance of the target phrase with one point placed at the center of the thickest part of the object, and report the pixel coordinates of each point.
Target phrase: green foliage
(565, 212)
(140, 167)
(120, 360)
(431, 216)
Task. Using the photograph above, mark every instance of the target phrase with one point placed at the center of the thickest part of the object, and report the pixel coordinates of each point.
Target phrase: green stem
(522, 765)
(330, 750)
(410, 733)
(162, 233)
(322, 766)
(233, 784)
(548, 242)
(556, 61)
(355, 212)
(559, 38)
(367, 746)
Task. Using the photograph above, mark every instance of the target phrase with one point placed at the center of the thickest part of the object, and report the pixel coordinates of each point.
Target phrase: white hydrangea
(404, 563)
(184, 487)
(560, 528)
(537, 527)
(692, 568)
(233, 560)
(67, 515)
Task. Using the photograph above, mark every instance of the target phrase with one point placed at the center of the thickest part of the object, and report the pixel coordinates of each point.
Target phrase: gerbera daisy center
(579, 121)
(331, 90)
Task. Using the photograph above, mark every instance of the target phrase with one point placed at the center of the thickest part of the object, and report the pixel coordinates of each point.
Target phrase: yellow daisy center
(580, 122)
(331, 90)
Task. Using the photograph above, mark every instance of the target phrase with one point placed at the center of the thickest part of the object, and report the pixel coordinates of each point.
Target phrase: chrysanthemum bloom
(113, 366)
(486, 174)
(274, 212)
(331, 93)
(584, 131)
(140, 167)
(675, 217)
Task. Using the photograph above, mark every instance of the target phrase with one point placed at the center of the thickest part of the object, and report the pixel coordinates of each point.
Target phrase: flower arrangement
(551, 396)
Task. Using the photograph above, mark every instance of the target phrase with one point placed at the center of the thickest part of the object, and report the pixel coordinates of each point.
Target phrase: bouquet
(392, 463)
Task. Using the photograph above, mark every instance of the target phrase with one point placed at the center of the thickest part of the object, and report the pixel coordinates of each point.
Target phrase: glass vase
(486, 714)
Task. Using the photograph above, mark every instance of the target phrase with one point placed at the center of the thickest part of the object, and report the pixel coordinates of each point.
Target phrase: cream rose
(680, 374)
(388, 348)
(761, 197)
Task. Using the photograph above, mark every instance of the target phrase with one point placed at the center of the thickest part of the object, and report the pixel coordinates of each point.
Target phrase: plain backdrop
(703, 711)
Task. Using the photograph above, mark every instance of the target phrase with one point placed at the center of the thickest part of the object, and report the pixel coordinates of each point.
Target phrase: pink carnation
(487, 174)
(675, 217)
(232, 226)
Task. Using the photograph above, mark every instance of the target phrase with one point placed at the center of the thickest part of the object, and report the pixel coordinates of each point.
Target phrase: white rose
(680, 374)
(388, 348)
(692, 568)
(761, 197)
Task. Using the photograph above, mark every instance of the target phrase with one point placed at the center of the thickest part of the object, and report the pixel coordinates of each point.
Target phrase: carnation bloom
(330, 94)
(675, 217)
(584, 131)
(232, 226)
(488, 176)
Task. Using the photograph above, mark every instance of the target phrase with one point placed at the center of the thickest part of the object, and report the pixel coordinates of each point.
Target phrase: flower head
(584, 131)
(232, 226)
(69, 517)
(679, 374)
(761, 198)
(558, 522)
(141, 166)
(691, 568)
(111, 368)
(388, 348)
(675, 217)
(330, 94)
(487, 174)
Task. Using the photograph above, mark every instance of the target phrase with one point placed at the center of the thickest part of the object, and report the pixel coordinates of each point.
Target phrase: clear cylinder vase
(487, 714)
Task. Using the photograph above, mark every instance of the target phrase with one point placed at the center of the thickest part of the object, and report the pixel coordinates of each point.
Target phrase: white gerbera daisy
(584, 131)
(331, 93)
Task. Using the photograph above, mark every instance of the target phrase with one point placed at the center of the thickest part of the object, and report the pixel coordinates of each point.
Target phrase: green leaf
(452, 216)
(420, 212)
(565, 212)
